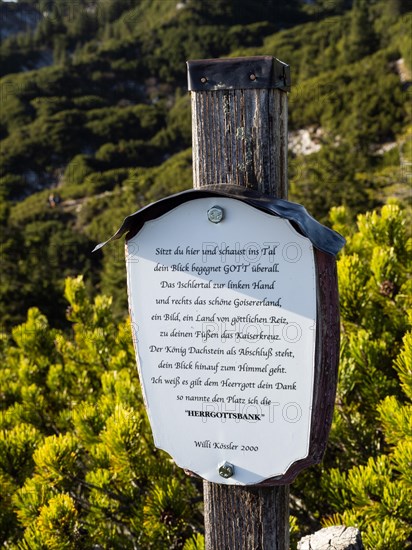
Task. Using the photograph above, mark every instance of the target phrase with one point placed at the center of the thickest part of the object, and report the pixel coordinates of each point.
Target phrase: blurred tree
(361, 40)
(325, 179)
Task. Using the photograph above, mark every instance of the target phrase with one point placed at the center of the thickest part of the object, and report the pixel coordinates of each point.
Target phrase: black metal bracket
(238, 73)
(322, 237)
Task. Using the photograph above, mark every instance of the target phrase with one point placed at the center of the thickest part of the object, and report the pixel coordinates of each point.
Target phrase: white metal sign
(223, 305)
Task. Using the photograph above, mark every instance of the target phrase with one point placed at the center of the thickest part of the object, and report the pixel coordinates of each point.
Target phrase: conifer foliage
(373, 416)
(77, 464)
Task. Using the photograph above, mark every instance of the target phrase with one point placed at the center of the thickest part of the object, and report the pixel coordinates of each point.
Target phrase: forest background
(94, 124)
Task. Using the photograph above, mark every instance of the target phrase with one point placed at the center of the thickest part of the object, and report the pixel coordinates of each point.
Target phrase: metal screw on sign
(215, 214)
(226, 470)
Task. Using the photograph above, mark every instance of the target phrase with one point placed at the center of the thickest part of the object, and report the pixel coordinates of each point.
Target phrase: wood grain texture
(246, 518)
(240, 138)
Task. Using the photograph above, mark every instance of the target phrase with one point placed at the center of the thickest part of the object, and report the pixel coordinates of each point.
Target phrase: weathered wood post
(234, 309)
(239, 125)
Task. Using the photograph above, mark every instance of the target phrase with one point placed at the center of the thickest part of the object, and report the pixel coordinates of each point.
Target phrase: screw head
(203, 80)
(215, 214)
(252, 76)
(226, 470)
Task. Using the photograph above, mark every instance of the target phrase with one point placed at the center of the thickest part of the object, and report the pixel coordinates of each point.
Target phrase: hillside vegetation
(94, 124)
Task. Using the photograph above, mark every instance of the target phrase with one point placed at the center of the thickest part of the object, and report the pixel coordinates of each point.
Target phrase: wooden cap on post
(238, 73)
(239, 122)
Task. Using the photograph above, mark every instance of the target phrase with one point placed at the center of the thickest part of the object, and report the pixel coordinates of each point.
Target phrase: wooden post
(239, 123)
